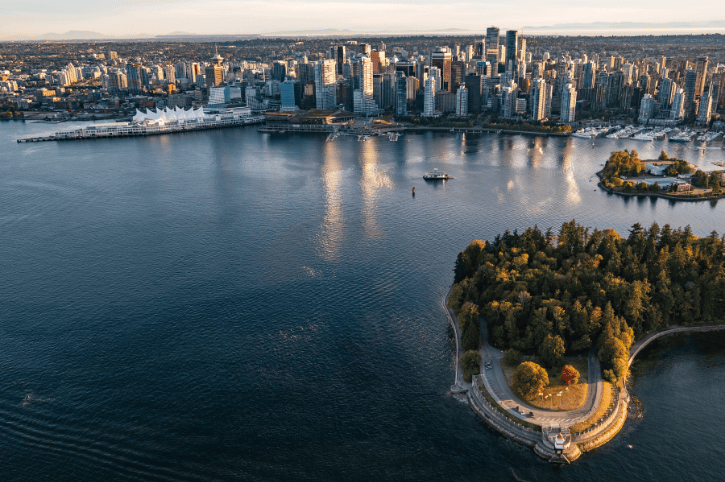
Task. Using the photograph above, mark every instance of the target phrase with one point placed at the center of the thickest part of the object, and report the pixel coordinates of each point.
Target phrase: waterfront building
(677, 111)
(401, 93)
(462, 101)
(290, 95)
(326, 84)
(429, 101)
(509, 94)
(646, 108)
(705, 111)
(363, 101)
(568, 104)
(474, 87)
(441, 59)
(538, 95)
(690, 92)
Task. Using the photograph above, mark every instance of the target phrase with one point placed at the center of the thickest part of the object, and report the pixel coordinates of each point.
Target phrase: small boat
(436, 175)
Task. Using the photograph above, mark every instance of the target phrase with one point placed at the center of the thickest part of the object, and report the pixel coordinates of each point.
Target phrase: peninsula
(580, 304)
(626, 174)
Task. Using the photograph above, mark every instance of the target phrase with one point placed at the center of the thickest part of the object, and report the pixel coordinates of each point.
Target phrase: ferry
(436, 175)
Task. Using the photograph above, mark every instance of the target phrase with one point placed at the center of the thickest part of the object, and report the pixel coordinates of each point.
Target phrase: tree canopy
(587, 289)
(570, 375)
(529, 379)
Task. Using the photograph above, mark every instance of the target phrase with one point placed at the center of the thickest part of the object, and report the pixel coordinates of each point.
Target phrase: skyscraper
(340, 58)
(568, 104)
(441, 58)
(704, 114)
(701, 69)
(325, 84)
(646, 108)
(492, 42)
(401, 93)
(667, 93)
(537, 98)
(479, 50)
(462, 101)
(363, 93)
(690, 92)
(512, 50)
(215, 72)
(133, 76)
(429, 97)
(678, 105)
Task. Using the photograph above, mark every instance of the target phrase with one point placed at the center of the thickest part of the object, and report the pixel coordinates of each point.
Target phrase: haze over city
(136, 18)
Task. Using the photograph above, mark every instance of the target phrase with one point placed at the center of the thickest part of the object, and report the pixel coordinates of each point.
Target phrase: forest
(582, 289)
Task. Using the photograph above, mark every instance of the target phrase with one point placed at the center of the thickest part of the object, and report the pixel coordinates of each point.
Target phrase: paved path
(638, 346)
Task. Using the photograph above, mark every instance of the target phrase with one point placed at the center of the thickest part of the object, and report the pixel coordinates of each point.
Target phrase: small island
(626, 174)
(547, 325)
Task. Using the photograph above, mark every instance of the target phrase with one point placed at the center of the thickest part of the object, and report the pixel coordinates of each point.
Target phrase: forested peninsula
(542, 293)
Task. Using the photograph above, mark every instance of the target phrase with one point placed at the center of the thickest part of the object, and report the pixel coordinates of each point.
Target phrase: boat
(436, 175)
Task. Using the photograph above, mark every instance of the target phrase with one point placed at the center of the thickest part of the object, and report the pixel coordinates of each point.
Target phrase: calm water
(229, 305)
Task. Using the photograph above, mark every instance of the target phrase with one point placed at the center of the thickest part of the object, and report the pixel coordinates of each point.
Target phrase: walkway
(638, 346)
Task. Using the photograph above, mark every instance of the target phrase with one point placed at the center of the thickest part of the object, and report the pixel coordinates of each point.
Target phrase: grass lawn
(572, 397)
(607, 396)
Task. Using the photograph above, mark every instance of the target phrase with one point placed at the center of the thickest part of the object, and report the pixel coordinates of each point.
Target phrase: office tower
(568, 104)
(133, 75)
(378, 89)
(715, 91)
(365, 49)
(492, 43)
(401, 93)
(378, 61)
(279, 71)
(462, 101)
(421, 73)
(690, 92)
(170, 74)
(388, 91)
(588, 71)
(704, 114)
(522, 50)
(408, 68)
(363, 102)
(701, 69)
(666, 94)
(628, 71)
(663, 62)
(615, 82)
(509, 93)
(537, 99)
(479, 50)
(512, 50)
(458, 74)
(429, 99)
(340, 58)
(678, 105)
(474, 86)
(435, 74)
(289, 95)
(483, 69)
(441, 59)
(646, 108)
(215, 71)
(325, 84)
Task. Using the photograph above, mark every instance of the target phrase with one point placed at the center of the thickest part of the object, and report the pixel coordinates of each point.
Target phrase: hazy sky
(33, 17)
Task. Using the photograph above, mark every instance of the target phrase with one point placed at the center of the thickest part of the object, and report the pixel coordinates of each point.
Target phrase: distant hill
(630, 25)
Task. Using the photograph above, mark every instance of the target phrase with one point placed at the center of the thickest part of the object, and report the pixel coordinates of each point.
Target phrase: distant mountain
(630, 25)
(178, 33)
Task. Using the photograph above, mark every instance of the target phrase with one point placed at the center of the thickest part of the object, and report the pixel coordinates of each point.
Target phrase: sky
(129, 17)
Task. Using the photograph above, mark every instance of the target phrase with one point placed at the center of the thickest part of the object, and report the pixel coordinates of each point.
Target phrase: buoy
(413, 191)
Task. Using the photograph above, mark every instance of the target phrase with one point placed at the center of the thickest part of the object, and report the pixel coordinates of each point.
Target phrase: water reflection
(332, 232)
(371, 182)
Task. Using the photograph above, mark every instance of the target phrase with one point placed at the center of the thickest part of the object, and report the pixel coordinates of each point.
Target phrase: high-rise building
(170, 74)
(677, 110)
(646, 108)
(340, 58)
(401, 93)
(441, 58)
(701, 69)
(704, 114)
(378, 60)
(462, 101)
(568, 104)
(133, 76)
(458, 74)
(474, 86)
(479, 50)
(363, 102)
(492, 34)
(365, 49)
(290, 95)
(326, 84)
(279, 71)
(429, 99)
(215, 71)
(512, 50)
(666, 94)
(690, 92)
(588, 71)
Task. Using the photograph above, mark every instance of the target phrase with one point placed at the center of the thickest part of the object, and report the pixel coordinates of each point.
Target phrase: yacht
(436, 175)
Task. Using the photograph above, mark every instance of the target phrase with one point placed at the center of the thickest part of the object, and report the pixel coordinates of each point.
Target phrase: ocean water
(230, 305)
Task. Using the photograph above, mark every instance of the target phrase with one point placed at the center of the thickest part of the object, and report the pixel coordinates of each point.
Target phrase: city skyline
(36, 19)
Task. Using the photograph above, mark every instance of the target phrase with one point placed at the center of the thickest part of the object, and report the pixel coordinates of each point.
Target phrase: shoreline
(604, 431)
(656, 194)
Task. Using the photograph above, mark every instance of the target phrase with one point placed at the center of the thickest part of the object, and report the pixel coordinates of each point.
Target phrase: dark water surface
(229, 305)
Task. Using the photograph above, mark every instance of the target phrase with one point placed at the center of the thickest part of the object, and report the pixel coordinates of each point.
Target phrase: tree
(663, 156)
(469, 320)
(552, 350)
(511, 357)
(529, 379)
(570, 375)
(471, 361)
